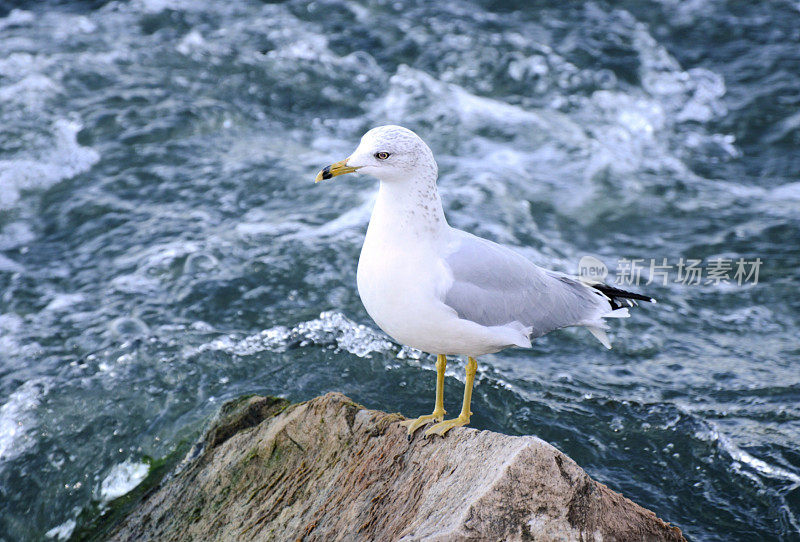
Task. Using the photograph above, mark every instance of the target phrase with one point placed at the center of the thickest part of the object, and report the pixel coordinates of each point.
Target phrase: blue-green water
(163, 247)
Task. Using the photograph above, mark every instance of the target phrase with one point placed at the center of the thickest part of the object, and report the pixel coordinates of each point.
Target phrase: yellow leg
(438, 409)
(463, 419)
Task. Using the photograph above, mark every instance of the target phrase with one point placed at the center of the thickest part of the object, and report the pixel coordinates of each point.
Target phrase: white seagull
(445, 291)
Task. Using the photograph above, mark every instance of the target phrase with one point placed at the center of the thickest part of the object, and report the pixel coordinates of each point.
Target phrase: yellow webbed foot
(463, 419)
(413, 425)
(443, 427)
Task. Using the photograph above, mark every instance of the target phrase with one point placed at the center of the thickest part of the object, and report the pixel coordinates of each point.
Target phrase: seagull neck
(409, 208)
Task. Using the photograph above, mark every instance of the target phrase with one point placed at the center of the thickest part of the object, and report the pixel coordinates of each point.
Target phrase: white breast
(402, 280)
(400, 286)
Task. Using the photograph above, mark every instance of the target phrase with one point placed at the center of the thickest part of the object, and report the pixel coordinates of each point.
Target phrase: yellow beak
(339, 168)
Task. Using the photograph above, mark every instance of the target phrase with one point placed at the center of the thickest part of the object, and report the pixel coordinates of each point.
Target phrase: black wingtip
(615, 295)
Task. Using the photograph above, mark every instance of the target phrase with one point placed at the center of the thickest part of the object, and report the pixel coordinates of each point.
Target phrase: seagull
(445, 291)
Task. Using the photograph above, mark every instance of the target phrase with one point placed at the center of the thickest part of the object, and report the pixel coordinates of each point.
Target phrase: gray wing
(494, 285)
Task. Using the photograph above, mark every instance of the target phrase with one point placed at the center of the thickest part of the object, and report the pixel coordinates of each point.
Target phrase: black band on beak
(339, 168)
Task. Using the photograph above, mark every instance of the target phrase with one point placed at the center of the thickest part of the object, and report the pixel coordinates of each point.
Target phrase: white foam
(329, 328)
(788, 191)
(121, 479)
(64, 161)
(10, 325)
(193, 41)
(354, 218)
(62, 302)
(754, 468)
(17, 419)
(156, 257)
(247, 230)
(15, 235)
(612, 132)
(10, 266)
(714, 435)
(17, 17)
(134, 283)
(129, 327)
(156, 6)
(31, 91)
(62, 531)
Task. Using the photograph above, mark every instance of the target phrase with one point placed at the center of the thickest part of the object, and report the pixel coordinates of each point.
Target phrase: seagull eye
(382, 155)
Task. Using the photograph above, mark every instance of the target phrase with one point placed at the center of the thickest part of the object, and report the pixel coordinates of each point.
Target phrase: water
(163, 247)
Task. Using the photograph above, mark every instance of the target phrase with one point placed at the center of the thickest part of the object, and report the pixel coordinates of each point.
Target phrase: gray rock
(330, 469)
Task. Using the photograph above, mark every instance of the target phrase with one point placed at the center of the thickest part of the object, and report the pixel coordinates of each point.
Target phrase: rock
(330, 469)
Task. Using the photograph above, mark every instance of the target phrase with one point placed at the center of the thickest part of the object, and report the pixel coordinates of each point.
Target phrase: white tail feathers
(596, 327)
(600, 335)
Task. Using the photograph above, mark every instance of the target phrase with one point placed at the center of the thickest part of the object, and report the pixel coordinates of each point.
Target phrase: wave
(18, 419)
(331, 328)
(66, 159)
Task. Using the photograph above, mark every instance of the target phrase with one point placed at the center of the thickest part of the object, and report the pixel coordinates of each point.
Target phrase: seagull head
(390, 153)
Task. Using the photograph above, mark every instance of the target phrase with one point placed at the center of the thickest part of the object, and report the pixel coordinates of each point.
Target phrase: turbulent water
(163, 247)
